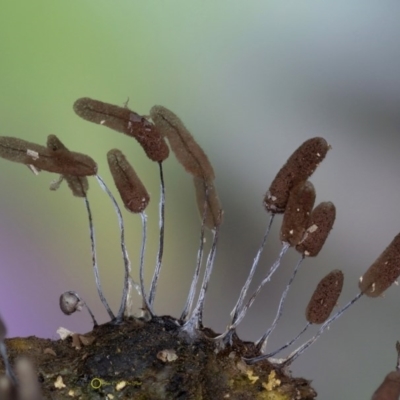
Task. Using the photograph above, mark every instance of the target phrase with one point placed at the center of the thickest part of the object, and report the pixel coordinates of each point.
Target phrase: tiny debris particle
(76, 343)
(306, 253)
(120, 385)
(59, 384)
(64, 333)
(102, 122)
(71, 393)
(86, 340)
(54, 185)
(33, 169)
(167, 355)
(110, 396)
(312, 228)
(33, 154)
(48, 350)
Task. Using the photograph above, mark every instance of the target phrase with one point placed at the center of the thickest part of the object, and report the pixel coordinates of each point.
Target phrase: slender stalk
(288, 343)
(246, 285)
(94, 260)
(7, 366)
(156, 274)
(192, 291)
(227, 335)
(91, 314)
(126, 295)
(262, 342)
(321, 330)
(267, 278)
(196, 319)
(146, 304)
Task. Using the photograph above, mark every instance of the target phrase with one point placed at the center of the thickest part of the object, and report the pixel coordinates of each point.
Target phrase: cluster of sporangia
(304, 227)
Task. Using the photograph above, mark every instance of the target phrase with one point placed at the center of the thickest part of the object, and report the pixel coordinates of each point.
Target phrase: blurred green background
(252, 81)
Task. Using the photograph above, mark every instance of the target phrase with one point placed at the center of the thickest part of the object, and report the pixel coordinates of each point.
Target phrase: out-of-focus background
(252, 81)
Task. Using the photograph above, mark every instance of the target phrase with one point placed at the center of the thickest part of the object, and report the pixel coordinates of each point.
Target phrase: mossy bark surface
(153, 360)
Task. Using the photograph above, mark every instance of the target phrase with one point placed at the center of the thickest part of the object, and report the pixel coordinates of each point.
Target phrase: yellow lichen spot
(59, 384)
(19, 344)
(275, 395)
(120, 385)
(272, 383)
(253, 378)
(71, 393)
(97, 383)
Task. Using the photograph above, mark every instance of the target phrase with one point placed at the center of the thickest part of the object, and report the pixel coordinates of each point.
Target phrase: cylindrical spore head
(383, 272)
(325, 297)
(389, 388)
(319, 225)
(98, 112)
(131, 189)
(124, 120)
(187, 151)
(59, 161)
(297, 213)
(79, 185)
(213, 212)
(299, 167)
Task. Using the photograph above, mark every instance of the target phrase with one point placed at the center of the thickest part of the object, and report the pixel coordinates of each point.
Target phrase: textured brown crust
(186, 149)
(297, 213)
(389, 388)
(95, 366)
(213, 216)
(383, 272)
(131, 189)
(299, 167)
(325, 297)
(58, 161)
(319, 226)
(79, 185)
(124, 120)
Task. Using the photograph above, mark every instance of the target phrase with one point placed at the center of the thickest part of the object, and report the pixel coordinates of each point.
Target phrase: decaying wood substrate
(153, 360)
